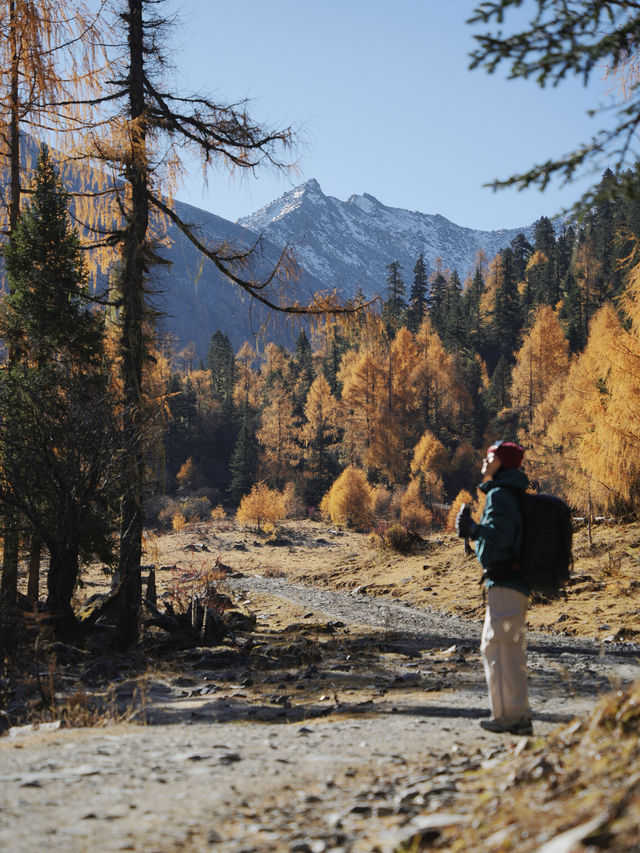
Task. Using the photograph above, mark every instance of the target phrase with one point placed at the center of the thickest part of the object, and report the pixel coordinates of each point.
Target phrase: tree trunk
(61, 583)
(35, 553)
(9, 584)
(132, 340)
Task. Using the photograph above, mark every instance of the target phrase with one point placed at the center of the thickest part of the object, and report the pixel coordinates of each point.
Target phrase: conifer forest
(380, 413)
(242, 583)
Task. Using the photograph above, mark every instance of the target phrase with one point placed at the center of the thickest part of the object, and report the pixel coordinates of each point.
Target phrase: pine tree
(302, 371)
(506, 321)
(222, 366)
(418, 295)
(454, 331)
(334, 349)
(58, 433)
(394, 308)
(471, 302)
(320, 436)
(437, 302)
(521, 249)
(244, 459)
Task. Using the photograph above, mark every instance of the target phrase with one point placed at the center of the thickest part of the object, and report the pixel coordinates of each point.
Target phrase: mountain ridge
(349, 244)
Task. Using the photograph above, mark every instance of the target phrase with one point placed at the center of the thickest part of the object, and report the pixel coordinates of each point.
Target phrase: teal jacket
(500, 529)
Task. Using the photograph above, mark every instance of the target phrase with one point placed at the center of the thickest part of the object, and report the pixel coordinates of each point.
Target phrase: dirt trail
(349, 730)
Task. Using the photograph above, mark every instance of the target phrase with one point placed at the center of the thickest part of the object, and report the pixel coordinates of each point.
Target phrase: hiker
(498, 538)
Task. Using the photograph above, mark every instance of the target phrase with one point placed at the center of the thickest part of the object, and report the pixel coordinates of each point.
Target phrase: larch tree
(542, 358)
(279, 428)
(152, 128)
(362, 392)
(428, 464)
(435, 377)
(600, 459)
(395, 416)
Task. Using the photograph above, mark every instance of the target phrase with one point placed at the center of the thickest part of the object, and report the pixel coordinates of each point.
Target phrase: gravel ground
(349, 733)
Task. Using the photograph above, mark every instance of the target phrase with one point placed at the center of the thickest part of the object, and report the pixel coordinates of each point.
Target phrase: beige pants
(503, 648)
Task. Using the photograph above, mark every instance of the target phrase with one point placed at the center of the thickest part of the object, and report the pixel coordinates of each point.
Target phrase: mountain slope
(348, 245)
(196, 299)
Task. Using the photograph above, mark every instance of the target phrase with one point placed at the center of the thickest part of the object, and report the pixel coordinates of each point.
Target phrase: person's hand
(465, 525)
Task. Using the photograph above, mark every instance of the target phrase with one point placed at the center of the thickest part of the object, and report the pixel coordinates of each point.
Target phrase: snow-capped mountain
(349, 244)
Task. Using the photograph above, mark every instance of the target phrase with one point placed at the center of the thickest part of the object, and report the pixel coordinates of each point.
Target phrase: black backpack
(545, 558)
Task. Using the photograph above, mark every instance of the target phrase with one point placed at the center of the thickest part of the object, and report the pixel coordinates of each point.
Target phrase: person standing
(498, 539)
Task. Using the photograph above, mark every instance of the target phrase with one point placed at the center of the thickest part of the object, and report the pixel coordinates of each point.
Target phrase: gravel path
(349, 738)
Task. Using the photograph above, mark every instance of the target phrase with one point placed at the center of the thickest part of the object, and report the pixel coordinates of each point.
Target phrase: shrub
(218, 513)
(349, 501)
(165, 508)
(262, 505)
(178, 521)
(398, 538)
(196, 508)
(381, 501)
(414, 515)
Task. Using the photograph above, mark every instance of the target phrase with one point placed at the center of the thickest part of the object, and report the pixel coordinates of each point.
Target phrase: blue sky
(383, 103)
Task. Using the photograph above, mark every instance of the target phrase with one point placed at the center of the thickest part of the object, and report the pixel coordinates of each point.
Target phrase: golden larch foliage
(187, 473)
(320, 411)
(429, 456)
(600, 457)
(261, 505)
(349, 501)
(442, 397)
(414, 515)
(542, 358)
(361, 381)
(247, 387)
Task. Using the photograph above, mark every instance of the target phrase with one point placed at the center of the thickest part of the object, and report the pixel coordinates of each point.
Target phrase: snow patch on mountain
(348, 245)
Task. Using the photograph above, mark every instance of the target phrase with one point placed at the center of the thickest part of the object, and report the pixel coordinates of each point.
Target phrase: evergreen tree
(571, 313)
(453, 322)
(498, 396)
(222, 365)
(471, 302)
(332, 357)
(418, 295)
(302, 371)
(394, 309)
(522, 251)
(437, 301)
(320, 435)
(57, 430)
(506, 320)
(244, 459)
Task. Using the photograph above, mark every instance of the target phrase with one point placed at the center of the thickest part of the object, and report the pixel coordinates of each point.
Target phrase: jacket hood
(506, 477)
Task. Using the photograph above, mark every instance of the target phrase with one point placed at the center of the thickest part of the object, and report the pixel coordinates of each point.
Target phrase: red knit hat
(508, 452)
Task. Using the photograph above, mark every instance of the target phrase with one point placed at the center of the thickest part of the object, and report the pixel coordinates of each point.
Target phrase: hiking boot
(515, 727)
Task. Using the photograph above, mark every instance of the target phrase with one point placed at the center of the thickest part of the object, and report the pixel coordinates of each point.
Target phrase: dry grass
(583, 782)
(584, 775)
